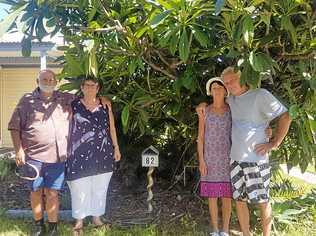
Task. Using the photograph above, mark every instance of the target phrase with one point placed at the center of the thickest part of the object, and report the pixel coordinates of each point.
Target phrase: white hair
(230, 70)
(46, 70)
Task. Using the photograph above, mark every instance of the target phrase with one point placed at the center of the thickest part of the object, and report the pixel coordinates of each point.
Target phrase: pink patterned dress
(217, 144)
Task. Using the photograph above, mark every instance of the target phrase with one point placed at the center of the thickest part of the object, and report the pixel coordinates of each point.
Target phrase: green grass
(300, 198)
(10, 227)
(296, 181)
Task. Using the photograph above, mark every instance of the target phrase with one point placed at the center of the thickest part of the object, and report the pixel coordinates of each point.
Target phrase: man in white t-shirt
(252, 111)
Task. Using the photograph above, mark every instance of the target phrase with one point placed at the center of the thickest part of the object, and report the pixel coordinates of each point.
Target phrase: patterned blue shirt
(91, 149)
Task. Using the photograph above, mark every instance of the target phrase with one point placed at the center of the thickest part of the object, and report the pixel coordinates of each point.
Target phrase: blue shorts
(51, 175)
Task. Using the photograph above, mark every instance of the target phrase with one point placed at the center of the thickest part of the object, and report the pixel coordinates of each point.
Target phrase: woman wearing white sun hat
(214, 143)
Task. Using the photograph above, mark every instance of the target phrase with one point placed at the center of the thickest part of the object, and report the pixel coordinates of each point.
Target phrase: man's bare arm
(106, 102)
(19, 152)
(283, 125)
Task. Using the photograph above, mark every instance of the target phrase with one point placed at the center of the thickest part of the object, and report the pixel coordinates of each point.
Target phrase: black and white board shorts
(250, 181)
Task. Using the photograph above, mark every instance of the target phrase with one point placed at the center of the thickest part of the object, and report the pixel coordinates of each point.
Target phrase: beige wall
(14, 82)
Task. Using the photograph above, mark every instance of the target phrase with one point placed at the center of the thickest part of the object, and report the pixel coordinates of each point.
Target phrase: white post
(149, 187)
(150, 159)
(43, 60)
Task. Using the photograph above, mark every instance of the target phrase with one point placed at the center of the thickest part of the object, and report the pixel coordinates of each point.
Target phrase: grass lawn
(9, 227)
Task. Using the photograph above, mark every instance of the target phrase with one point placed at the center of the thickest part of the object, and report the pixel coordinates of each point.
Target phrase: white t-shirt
(251, 115)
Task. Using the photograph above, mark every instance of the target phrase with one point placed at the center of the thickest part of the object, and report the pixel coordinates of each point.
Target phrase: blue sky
(3, 13)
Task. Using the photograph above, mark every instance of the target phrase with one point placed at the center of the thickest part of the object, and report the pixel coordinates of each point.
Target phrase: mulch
(123, 204)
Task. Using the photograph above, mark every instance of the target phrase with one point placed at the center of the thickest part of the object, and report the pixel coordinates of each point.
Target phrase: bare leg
(77, 230)
(226, 212)
(37, 204)
(52, 204)
(213, 210)
(266, 218)
(243, 217)
(97, 221)
(79, 224)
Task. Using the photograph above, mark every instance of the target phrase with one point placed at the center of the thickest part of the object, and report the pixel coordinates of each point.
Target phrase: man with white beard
(39, 128)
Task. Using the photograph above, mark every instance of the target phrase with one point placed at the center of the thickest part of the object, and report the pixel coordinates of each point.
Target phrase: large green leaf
(7, 22)
(74, 66)
(39, 28)
(144, 116)
(303, 140)
(125, 117)
(260, 62)
(200, 36)
(173, 43)
(93, 63)
(92, 13)
(132, 66)
(26, 46)
(312, 125)
(184, 47)
(287, 24)
(165, 38)
(139, 33)
(248, 30)
(249, 76)
(159, 18)
(237, 31)
(49, 24)
(169, 4)
(266, 18)
(23, 21)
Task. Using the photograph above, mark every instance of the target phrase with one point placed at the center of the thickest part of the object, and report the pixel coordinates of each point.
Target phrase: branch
(104, 9)
(173, 65)
(161, 57)
(157, 68)
(294, 57)
(120, 51)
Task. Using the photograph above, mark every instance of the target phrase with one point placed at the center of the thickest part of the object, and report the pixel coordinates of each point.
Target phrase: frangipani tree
(154, 58)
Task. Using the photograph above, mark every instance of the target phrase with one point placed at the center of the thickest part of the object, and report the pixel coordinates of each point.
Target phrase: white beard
(46, 88)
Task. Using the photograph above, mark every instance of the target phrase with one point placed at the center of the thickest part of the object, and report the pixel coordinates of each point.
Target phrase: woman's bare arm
(117, 154)
(200, 145)
(200, 140)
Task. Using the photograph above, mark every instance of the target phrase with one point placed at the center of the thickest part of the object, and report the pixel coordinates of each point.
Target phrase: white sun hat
(210, 81)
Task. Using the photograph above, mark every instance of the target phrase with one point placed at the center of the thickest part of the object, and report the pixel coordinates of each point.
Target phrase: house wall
(14, 82)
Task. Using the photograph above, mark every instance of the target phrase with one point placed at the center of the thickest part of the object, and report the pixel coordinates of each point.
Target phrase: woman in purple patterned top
(214, 143)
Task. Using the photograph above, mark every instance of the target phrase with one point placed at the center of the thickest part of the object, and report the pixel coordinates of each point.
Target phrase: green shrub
(6, 168)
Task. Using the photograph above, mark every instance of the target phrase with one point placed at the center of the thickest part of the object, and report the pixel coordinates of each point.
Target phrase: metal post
(43, 60)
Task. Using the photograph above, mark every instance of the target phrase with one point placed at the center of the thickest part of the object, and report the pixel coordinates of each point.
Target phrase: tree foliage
(154, 57)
